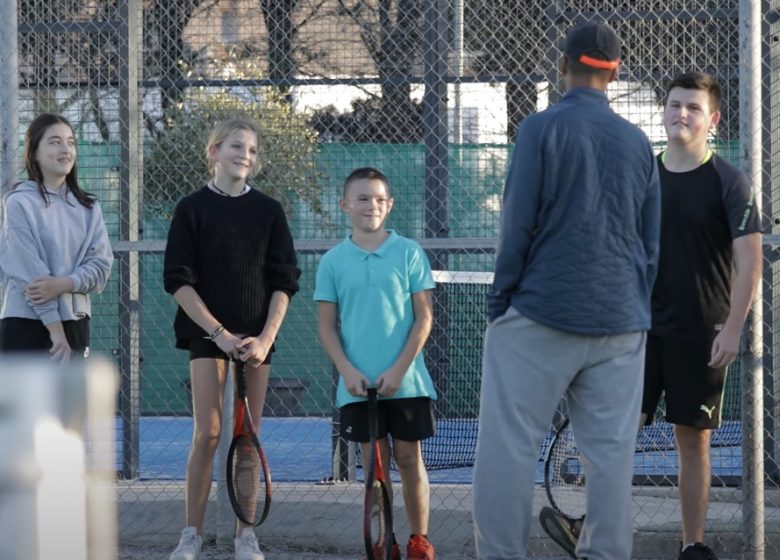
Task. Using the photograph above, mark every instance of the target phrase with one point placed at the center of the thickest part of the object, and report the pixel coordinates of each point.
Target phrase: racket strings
(565, 476)
(377, 522)
(248, 477)
(377, 513)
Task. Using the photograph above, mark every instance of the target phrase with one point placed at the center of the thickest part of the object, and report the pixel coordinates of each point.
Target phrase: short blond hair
(225, 128)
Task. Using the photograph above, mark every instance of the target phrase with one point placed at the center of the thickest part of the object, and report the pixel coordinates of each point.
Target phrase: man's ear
(714, 119)
(614, 74)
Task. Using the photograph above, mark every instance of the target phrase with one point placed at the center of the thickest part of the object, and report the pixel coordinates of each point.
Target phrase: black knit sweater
(235, 252)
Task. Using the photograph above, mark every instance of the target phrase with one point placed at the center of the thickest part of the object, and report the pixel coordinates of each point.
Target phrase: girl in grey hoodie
(54, 248)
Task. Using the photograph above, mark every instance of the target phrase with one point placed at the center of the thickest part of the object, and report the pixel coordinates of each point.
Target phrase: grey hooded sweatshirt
(64, 238)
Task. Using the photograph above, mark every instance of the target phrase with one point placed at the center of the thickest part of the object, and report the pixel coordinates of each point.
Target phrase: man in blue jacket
(570, 307)
(709, 269)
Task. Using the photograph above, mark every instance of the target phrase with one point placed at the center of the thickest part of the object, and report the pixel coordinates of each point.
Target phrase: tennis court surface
(299, 449)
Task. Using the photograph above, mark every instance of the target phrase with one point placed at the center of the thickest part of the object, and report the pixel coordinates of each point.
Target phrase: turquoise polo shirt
(373, 291)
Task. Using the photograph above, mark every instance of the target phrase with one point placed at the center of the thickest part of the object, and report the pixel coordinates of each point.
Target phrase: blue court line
(299, 450)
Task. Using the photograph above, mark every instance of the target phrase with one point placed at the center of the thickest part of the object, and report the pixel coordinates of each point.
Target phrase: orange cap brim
(598, 63)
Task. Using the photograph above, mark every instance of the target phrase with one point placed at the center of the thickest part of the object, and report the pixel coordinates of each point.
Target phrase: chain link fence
(431, 93)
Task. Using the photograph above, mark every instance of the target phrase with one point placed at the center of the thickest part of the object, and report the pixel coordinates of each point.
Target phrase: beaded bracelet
(218, 331)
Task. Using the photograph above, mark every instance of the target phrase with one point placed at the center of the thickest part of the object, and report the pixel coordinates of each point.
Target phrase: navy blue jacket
(578, 247)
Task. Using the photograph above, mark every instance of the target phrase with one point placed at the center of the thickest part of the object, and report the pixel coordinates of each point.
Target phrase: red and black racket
(248, 476)
(378, 512)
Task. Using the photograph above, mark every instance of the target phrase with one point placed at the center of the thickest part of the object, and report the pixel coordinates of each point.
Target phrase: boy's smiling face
(368, 204)
(688, 117)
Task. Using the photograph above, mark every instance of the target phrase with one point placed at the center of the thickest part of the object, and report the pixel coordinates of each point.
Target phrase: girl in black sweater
(230, 265)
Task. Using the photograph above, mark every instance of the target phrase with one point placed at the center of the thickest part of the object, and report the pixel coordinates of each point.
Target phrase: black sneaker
(564, 532)
(697, 551)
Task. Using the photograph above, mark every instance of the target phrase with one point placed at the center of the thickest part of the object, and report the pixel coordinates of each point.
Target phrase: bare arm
(748, 261)
(193, 306)
(390, 380)
(328, 331)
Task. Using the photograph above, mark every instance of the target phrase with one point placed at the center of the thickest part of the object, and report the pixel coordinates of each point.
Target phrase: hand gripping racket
(248, 476)
(564, 476)
(377, 512)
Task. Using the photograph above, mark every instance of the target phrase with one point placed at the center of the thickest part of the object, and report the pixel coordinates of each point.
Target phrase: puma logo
(709, 411)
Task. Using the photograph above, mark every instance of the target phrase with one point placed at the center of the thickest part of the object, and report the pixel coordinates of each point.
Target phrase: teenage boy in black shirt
(709, 267)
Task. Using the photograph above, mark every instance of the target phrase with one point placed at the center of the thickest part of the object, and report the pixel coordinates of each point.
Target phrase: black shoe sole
(558, 534)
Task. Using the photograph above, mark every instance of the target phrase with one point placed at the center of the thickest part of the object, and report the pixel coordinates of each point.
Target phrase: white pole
(57, 497)
(102, 514)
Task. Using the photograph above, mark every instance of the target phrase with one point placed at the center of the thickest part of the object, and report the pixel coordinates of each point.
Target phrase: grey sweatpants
(527, 368)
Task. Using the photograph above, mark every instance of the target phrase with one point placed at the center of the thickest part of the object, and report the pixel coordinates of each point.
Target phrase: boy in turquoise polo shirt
(375, 314)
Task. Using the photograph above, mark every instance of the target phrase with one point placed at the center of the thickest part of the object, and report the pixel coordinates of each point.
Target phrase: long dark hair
(32, 140)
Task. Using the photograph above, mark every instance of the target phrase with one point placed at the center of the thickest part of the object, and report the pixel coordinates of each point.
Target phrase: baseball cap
(593, 44)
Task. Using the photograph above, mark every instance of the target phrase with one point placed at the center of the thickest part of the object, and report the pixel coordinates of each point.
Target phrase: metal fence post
(343, 452)
(129, 229)
(769, 99)
(436, 137)
(457, 66)
(555, 34)
(9, 95)
(750, 132)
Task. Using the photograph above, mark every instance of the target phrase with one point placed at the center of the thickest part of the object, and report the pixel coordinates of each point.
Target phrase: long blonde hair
(225, 128)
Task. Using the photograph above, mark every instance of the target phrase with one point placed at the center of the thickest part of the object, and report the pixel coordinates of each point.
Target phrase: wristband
(218, 331)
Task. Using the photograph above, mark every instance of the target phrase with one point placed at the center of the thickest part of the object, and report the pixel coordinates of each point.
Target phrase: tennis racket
(564, 476)
(377, 510)
(248, 476)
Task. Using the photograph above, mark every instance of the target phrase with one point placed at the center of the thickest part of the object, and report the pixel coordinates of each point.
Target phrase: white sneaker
(247, 547)
(190, 545)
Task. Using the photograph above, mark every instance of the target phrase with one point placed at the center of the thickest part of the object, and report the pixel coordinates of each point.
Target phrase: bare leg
(416, 491)
(208, 388)
(694, 484)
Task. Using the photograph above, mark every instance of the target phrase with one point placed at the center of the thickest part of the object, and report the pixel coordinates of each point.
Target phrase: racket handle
(238, 371)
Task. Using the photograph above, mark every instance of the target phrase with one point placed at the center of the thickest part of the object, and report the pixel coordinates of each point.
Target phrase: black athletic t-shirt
(702, 212)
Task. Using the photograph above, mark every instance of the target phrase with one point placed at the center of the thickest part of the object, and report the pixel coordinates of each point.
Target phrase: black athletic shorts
(205, 348)
(404, 419)
(678, 368)
(31, 335)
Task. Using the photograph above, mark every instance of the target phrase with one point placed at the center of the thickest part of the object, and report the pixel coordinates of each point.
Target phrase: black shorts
(31, 335)
(205, 348)
(404, 419)
(693, 391)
